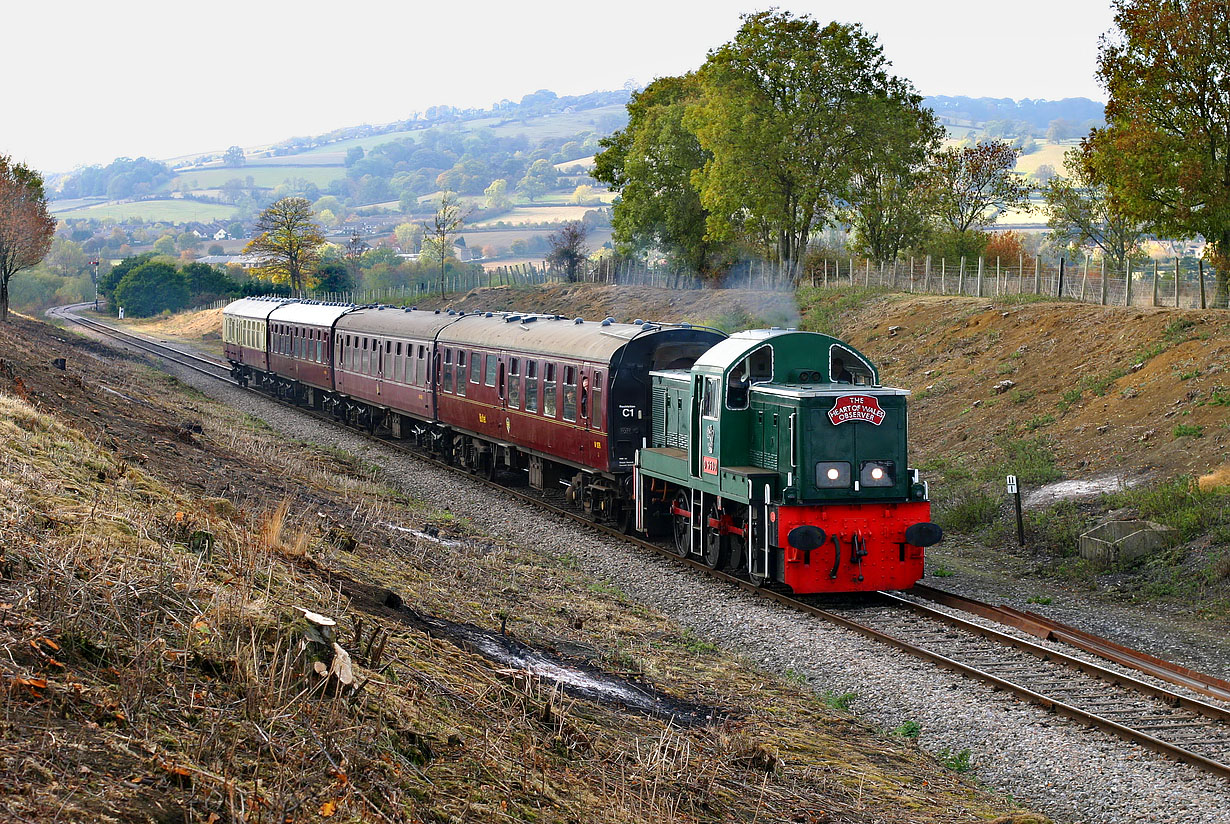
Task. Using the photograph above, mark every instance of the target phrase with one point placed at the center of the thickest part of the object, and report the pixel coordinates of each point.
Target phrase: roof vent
(489, 315)
(607, 322)
(530, 319)
(413, 308)
(437, 311)
(451, 312)
(775, 329)
(685, 326)
(511, 318)
(639, 322)
(578, 320)
(407, 309)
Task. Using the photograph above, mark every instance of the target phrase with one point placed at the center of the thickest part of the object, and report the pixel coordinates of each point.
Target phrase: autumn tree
(1084, 212)
(650, 163)
(441, 230)
(785, 107)
(568, 249)
(889, 204)
(972, 185)
(26, 228)
(1165, 150)
(287, 240)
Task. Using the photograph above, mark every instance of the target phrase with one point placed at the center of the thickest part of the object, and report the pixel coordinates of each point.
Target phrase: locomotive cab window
(709, 400)
(847, 367)
(757, 367)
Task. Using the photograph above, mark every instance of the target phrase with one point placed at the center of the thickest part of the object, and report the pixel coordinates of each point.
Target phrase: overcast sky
(87, 81)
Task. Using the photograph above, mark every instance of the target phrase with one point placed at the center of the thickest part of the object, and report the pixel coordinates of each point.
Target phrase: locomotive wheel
(737, 557)
(681, 523)
(717, 545)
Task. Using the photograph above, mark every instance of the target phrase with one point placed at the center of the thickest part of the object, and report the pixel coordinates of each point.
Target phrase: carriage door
(584, 397)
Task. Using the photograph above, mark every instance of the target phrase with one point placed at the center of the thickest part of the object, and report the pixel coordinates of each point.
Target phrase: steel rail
(1059, 707)
(1049, 629)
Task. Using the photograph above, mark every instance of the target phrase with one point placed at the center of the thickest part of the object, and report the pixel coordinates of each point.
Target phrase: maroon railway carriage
(567, 400)
(301, 348)
(245, 335)
(385, 357)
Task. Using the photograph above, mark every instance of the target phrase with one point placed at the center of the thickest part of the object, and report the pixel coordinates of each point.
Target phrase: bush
(152, 288)
(965, 508)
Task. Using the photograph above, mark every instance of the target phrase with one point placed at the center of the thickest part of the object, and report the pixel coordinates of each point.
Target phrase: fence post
(980, 265)
(961, 277)
(999, 284)
(1155, 283)
(943, 276)
(881, 273)
(1038, 275)
(1127, 284)
(1085, 278)
(927, 274)
(1176, 283)
(1104, 290)
(1203, 305)
(1059, 283)
(851, 271)
(911, 273)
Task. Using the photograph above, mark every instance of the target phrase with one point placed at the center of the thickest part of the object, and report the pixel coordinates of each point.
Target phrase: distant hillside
(1040, 114)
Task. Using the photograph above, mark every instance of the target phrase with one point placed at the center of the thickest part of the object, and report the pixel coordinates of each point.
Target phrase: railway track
(1093, 693)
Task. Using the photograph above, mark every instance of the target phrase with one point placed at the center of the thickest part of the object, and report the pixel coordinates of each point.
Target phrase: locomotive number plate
(855, 408)
(709, 465)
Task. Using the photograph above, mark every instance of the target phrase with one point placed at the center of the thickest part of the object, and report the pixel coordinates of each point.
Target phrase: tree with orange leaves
(26, 228)
(1165, 151)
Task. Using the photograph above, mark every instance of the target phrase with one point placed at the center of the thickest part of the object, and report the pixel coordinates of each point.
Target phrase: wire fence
(1180, 282)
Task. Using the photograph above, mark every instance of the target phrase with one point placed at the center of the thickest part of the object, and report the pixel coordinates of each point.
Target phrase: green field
(264, 176)
(170, 211)
(538, 128)
(1051, 153)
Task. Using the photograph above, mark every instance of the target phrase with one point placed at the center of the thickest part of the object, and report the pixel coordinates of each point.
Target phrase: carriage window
(493, 362)
(548, 390)
(570, 393)
(446, 374)
(595, 408)
(531, 386)
(476, 368)
(514, 383)
(461, 371)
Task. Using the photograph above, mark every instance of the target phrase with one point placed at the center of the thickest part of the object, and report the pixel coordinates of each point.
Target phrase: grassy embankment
(158, 550)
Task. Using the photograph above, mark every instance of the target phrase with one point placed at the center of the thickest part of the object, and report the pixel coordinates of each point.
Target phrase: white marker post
(1015, 491)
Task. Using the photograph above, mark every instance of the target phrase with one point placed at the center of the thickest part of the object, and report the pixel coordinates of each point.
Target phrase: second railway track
(1169, 722)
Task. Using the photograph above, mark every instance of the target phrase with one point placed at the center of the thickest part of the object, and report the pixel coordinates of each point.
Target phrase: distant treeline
(1038, 113)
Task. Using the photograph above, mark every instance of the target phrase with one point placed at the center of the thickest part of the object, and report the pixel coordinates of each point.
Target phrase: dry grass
(154, 665)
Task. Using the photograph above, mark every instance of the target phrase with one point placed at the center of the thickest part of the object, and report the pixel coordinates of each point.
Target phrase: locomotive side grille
(660, 436)
(766, 459)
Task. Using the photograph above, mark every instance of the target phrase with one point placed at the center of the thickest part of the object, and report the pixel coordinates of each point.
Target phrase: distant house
(243, 261)
(221, 235)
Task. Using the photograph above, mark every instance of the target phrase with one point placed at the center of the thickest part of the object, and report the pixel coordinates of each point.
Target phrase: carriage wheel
(682, 523)
(717, 545)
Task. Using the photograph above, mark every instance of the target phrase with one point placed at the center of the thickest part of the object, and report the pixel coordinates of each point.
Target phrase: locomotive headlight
(833, 475)
(877, 473)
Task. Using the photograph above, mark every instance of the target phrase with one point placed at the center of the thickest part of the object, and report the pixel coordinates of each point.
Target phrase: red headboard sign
(849, 408)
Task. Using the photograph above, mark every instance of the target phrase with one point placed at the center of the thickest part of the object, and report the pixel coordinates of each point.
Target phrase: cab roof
(790, 347)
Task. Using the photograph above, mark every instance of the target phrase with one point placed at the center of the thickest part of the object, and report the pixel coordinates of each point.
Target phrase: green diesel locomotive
(779, 454)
